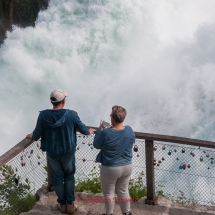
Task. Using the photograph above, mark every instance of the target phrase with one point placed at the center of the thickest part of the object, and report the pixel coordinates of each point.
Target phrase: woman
(116, 158)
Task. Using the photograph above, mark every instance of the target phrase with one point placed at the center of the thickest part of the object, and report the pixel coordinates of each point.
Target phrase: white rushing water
(155, 58)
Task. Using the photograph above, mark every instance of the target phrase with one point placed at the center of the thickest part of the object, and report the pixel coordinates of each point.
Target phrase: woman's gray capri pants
(116, 179)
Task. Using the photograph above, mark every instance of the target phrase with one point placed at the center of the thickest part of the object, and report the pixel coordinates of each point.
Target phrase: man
(57, 129)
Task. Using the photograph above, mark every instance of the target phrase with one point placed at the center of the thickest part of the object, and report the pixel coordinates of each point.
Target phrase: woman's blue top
(116, 146)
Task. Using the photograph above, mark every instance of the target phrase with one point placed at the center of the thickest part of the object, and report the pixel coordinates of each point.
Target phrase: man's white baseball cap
(58, 94)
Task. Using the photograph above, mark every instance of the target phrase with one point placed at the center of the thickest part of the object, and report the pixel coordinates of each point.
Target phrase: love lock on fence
(135, 148)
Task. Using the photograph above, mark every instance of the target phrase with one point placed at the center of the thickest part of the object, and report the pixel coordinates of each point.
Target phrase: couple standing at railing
(57, 129)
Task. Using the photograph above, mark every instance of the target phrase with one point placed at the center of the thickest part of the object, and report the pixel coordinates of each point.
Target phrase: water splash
(147, 56)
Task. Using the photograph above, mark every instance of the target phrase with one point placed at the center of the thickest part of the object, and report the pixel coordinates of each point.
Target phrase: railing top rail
(173, 139)
(13, 152)
(10, 154)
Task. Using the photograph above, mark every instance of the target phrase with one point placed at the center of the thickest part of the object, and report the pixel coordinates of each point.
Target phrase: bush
(15, 196)
(91, 183)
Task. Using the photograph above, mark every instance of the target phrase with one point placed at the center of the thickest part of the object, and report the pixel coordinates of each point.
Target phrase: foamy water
(154, 58)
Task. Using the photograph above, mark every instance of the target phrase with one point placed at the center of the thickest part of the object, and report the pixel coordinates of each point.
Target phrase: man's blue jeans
(62, 171)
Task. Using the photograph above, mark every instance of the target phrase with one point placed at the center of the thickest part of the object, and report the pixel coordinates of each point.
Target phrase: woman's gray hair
(118, 113)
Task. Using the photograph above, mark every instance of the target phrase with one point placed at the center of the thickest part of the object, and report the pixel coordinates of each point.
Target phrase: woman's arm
(99, 139)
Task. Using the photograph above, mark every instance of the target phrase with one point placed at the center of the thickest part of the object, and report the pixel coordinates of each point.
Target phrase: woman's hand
(101, 127)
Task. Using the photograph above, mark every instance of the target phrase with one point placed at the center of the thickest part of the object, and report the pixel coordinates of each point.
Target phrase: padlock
(77, 148)
(177, 159)
(84, 160)
(207, 155)
(159, 162)
(155, 148)
(88, 144)
(154, 163)
(163, 159)
(201, 158)
(91, 147)
(138, 155)
(135, 148)
(183, 150)
(184, 166)
(212, 162)
(170, 152)
(188, 166)
(38, 163)
(192, 153)
(180, 167)
(163, 147)
(175, 150)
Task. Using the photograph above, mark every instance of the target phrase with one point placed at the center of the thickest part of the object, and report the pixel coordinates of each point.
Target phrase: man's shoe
(71, 208)
(129, 213)
(62, 208)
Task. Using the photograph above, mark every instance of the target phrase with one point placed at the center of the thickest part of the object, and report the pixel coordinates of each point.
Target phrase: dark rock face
(25, 12)
(21, 13)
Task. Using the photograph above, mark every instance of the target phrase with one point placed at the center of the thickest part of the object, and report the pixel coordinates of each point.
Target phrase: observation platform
(47, 206)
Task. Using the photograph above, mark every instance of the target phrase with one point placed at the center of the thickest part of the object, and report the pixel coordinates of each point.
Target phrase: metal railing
(181, 169)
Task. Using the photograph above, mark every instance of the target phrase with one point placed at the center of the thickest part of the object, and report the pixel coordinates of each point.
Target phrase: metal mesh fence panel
(86, 155)
(184, 174)
(21, 177)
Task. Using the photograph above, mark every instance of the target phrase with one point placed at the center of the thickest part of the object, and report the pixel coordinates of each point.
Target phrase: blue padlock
(170, 152)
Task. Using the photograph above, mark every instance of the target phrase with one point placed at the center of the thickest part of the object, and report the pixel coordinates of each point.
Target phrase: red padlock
(135, 148)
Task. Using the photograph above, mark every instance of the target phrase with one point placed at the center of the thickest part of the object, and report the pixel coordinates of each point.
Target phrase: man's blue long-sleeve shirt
(57, 130)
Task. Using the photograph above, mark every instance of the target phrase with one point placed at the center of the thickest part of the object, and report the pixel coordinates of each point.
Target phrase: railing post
(150, 176)
(50, 186)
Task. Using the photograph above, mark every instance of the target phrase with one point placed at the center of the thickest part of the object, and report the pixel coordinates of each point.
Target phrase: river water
(155, 58)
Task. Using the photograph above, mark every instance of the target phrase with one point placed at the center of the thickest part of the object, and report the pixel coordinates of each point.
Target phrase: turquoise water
(154, 58)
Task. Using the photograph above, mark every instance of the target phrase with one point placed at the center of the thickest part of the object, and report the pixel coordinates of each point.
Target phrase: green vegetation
(15, 196)
(91, 183)
(136, 188)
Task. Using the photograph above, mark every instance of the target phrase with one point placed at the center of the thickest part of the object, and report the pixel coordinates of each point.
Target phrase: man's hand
(29, 136)
(92, 130)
